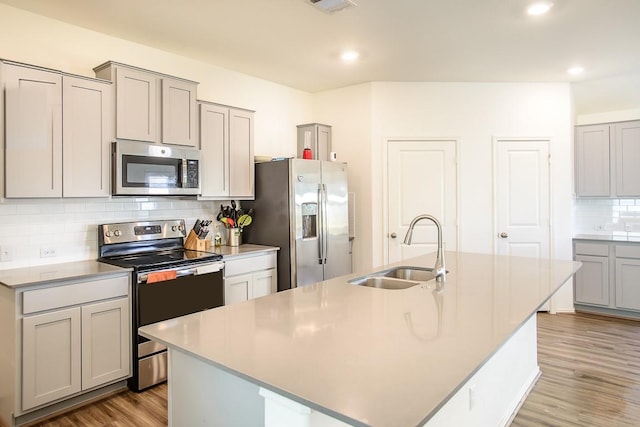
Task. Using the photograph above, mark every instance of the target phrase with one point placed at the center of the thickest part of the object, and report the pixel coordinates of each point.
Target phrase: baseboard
(531, 384)
(68, 405)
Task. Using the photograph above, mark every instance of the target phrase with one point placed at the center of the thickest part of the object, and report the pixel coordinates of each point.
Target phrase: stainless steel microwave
(142, 169)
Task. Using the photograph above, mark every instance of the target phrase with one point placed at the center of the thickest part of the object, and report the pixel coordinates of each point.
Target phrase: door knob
(394, 235)
(503, 235)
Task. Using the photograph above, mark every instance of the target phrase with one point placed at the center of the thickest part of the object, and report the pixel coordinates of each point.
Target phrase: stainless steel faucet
(439, 269)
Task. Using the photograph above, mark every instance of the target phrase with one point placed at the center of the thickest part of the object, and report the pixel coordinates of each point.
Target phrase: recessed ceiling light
(539, 8)
(575, 70)
(349, 55)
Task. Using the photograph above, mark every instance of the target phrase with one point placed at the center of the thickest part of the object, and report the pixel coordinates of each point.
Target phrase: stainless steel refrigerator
(302, 207)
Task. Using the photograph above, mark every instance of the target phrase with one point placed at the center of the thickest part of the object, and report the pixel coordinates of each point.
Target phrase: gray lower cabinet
(609, 280)
(592, 280)
(250, 277)
(75, 337)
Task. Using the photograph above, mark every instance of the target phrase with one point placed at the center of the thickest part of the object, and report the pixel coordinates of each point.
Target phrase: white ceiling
(293, 43)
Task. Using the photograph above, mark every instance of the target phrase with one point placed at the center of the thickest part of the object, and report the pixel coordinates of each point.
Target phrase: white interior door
(422, 179)
(522, 198)
(522, 204)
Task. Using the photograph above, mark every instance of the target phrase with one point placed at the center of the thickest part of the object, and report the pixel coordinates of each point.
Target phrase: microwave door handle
(184, 172)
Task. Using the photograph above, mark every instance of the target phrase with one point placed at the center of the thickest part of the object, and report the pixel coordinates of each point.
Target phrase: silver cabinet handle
(394, 235)
(503, 235)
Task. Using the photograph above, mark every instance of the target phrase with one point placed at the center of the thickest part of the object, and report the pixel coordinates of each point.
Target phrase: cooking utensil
(244, 221)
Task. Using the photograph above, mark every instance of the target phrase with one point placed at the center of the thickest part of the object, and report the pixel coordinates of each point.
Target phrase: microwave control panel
(191, 175)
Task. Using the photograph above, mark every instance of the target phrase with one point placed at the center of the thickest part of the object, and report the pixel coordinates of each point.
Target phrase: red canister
(306, 154)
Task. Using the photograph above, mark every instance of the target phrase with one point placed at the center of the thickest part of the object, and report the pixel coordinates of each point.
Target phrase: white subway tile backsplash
(605, 216)
(71, 226)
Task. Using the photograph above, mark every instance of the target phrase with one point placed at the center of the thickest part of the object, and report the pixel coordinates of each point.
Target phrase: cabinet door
(214, 147)
(105, 342)
(137, 105)
(592, 161)
(178, 112)
(627, 143)
(628, 283)
(264, 283)
(592, 280)
(87, 134)
(50, 356)
(236, 288)
(33, 132)
(241, 166)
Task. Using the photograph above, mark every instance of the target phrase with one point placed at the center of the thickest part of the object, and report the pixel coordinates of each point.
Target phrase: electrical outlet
(7, 253)
(472, 396)
(48, 252)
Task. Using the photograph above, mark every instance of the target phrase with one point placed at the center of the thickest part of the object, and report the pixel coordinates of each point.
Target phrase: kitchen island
(334, 353)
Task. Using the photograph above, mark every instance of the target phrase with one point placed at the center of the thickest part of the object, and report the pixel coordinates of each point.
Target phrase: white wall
(474, 113)
(28, 225)
(348, 110)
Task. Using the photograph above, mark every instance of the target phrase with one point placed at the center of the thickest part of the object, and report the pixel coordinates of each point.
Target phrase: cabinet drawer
(233, 267)
(74, 294)
(595, 249)
(628, 251)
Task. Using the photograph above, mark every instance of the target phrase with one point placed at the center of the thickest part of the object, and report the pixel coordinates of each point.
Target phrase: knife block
(192, 242)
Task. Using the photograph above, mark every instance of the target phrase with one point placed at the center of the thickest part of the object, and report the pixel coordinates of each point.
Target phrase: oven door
(192, 290)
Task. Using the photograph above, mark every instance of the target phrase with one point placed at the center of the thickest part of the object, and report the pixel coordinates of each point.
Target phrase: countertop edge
(93, 270)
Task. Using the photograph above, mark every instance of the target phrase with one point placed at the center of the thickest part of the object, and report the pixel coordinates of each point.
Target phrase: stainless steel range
(168, 281)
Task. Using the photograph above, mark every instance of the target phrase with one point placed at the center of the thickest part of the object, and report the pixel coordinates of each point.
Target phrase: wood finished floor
(590, 377)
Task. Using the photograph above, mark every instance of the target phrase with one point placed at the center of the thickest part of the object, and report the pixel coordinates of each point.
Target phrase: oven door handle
(142, 278)
(191, 271)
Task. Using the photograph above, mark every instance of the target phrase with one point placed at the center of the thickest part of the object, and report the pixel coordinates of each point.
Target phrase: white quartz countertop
(26, 276)
(371, 356)
(242, 250)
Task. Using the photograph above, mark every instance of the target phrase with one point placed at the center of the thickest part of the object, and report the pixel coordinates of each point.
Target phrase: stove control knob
(117, 233)
(108, 234)
(174, 227)
(181, 227)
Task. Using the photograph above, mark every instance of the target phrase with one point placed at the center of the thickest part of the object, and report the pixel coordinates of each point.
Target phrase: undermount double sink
(396, 278)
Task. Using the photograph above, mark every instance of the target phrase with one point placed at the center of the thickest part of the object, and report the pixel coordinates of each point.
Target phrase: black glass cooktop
(158, 260)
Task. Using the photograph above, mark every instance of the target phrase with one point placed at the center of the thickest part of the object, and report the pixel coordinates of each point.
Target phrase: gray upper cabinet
(33, 132)
(592, 161)
(226, 143)
(606, 159)
(136, 105)
(627, 151)
(58, 130)
(87, 134)
(179, 112)
(151, 106)
(214, 148)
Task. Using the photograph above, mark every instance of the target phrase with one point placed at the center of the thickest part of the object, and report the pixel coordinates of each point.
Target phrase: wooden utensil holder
(192, 242)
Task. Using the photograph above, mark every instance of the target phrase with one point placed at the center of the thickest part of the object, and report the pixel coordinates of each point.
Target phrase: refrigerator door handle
(320, 226)
(325, 232)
